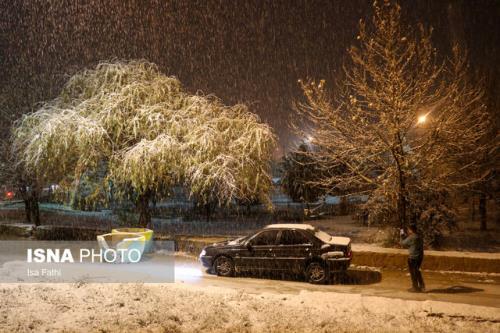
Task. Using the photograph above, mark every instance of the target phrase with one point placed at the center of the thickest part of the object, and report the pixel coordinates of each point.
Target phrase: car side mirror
(249, 246)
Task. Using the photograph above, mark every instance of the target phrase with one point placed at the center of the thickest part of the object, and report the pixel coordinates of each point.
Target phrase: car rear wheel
(316, 273)
(224, 266)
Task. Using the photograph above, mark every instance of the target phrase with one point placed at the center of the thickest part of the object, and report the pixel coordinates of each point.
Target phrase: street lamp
(422, 119)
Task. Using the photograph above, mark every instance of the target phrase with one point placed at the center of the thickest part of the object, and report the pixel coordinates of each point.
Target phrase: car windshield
(323, 236)
(240, 239)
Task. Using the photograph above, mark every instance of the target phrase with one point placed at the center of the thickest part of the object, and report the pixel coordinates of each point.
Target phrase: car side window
(265, 238)
(293, 237)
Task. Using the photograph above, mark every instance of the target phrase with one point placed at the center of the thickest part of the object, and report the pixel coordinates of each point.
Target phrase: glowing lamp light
(422, 119)
(9, 195)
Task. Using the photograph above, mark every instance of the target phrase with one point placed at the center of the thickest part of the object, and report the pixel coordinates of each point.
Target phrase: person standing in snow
(415, 246)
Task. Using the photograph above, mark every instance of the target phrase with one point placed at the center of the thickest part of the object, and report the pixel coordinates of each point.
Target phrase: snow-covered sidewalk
(362, 247)
(388, 258)
(178, 307)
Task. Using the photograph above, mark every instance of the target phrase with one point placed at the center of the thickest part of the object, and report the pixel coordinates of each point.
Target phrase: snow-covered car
(295, 248)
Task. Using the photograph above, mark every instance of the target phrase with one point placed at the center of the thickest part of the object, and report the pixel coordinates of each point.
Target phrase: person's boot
(420, 282)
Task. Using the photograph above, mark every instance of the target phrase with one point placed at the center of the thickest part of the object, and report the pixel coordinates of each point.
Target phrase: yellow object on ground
(125, 247)
(147, 233)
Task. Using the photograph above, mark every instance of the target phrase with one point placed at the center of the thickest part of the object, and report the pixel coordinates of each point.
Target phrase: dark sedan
(294, 248)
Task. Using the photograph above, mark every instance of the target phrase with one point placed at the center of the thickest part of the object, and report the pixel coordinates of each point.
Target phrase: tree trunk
(401, 204)
(35, 210)
(402, 210)
(208, 211)
(473, 209)
(401, 195)
(343, 205)
(482, 211)
(142, 205)
(26, 200)
(27, 209)
(31, 207)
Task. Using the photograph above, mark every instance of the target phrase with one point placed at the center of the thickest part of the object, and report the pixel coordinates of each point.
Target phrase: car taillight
(9, 195)
(348, 252)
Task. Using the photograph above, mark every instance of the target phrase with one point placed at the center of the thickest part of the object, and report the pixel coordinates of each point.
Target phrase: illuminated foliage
(300, 170)
(150, 134)
(402, 122)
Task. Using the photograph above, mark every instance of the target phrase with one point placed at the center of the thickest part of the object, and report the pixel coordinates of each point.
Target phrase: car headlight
(203, 252)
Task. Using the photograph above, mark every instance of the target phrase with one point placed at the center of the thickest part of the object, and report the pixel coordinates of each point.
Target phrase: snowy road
(199, 302)
(474, 289)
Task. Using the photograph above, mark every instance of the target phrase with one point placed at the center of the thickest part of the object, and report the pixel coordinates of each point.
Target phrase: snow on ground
(176, 307)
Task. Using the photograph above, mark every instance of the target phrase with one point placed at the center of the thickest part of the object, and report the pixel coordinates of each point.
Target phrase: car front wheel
(224, 266)
(316, 273)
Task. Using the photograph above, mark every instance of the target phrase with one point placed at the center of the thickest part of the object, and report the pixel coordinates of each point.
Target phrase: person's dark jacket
(415, 246)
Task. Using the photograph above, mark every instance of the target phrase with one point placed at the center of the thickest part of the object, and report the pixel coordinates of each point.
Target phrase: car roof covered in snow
(290, 226)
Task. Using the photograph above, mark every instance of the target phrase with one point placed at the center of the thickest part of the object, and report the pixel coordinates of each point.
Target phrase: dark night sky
(248, 51)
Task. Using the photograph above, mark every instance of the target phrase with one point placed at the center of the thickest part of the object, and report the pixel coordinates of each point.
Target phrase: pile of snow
(183, 308)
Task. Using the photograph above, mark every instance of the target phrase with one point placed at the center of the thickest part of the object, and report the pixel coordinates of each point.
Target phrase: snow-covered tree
(149, 134)
(402, 123)
(300, 171)
(4, 138)
(13, 103)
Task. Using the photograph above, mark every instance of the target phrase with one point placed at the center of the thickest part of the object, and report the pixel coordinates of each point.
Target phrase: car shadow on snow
(455, 290)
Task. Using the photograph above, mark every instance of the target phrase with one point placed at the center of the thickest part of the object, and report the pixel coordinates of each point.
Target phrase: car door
(292, 251)
(259, 254)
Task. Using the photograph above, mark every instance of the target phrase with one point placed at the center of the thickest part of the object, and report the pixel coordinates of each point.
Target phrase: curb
(433, 260)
